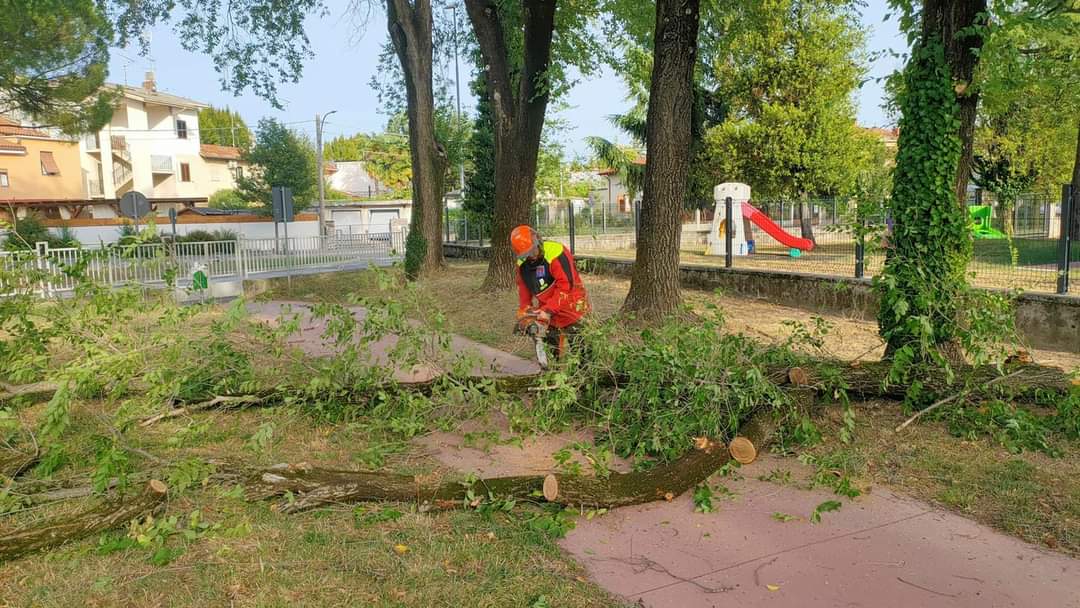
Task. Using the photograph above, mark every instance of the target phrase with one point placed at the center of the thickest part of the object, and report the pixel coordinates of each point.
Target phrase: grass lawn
(251, 555)
(1029, 494)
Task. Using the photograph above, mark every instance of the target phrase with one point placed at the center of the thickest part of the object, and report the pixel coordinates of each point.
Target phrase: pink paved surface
(880, 550)
(492, 362)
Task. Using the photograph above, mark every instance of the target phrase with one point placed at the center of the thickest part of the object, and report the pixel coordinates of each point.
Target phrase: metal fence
(1038, 256)
(57, 271)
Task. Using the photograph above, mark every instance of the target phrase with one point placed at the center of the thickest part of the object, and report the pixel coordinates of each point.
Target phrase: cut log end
(157, 486)
(798, 376)
(551, 488)
(743, 450)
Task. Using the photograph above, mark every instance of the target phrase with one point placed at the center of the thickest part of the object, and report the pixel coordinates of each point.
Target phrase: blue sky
(338, 78)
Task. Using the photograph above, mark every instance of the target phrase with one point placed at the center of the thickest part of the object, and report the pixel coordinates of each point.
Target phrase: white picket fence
(52, 272)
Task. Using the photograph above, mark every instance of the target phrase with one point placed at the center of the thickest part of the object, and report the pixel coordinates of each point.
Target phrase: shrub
(25, 233)
(229, 198)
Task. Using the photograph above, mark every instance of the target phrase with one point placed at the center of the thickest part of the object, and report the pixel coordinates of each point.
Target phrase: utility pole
(319, 169)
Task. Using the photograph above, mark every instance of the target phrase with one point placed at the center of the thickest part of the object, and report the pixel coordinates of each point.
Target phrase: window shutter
(185, 172)
(48, 164)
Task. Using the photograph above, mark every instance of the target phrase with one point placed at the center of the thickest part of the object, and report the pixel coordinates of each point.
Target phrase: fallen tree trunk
(60, 530)
(13, 462)
(867, 380)
(38, 391)
(307, 486)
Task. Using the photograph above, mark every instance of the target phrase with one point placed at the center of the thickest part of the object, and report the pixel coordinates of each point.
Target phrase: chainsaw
(535, 325)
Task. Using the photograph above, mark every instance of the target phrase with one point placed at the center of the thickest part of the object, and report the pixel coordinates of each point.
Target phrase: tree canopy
(54, 63)
(223, 127)
(281, 158)
(789, 69)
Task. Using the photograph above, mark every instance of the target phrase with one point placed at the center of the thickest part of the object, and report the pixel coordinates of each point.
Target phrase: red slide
(772, 229)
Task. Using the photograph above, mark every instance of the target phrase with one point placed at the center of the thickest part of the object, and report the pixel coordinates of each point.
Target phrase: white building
(152, 146)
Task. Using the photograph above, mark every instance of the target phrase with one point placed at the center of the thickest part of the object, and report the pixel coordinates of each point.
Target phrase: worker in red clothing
(549, 287)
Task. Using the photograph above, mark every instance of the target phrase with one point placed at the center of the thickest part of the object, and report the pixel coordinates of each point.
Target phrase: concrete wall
(1044, 320)
(257, 229)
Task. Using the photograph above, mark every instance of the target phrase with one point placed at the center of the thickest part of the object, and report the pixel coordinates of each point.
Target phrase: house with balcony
(39, 171)
(151, 145)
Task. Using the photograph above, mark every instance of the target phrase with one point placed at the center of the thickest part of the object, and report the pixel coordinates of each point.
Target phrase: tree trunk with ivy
(654, 285)
(519, 102)
(410, 27)
(924, 278)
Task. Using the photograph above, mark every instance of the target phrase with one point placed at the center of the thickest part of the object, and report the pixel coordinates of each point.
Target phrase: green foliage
(479, 196)
(703, 499)
(365, 515)
(270, 51)
(826, 507)
(415, 252)
(228, 198)
(25, 233)
(789, 70)
(163, 539)
(923, 284)
(675, 382)
(54, 63)
(283, 158)
(223, 127)
(385, 157)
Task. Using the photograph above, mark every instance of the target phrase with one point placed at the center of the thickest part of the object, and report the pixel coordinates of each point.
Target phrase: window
(238, 173)
(181, 129)
(185, 172)
(48, 164)
(4, 183)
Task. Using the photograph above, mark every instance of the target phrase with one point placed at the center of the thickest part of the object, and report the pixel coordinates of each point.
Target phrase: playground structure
(980, 217)
(742, 215)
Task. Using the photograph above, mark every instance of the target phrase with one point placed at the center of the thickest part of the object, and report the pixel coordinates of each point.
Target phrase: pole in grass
(1064, 240)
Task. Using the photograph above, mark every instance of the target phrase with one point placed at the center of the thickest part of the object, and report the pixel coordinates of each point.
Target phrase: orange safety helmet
(523, 240)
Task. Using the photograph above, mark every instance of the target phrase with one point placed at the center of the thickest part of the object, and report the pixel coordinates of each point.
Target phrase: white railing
(49, 272)
(161, 164)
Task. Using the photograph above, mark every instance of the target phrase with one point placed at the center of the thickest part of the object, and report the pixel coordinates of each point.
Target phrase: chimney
(149, 83)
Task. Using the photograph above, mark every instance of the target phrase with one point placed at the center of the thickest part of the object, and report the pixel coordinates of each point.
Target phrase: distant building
(353, 178)
(37, 166)
(616, 199)
(151, 145)
(889, 137)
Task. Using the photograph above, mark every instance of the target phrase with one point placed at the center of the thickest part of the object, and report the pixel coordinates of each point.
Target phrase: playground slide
(772, 229)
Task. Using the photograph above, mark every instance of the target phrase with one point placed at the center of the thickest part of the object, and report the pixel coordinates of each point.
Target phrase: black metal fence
(1039, 256)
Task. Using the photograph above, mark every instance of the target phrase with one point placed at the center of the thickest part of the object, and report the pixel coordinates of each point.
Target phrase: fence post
(637, 222)
(727, 233)
(570, 222)
(1064, 240)
(860, 251)
(238, 245)
(780, 218)
(41, 252)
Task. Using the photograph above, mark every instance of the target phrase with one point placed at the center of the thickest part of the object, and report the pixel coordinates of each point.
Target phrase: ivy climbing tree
(924, 276)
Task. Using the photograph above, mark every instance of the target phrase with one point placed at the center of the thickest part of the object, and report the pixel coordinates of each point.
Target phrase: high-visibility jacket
(553, 280)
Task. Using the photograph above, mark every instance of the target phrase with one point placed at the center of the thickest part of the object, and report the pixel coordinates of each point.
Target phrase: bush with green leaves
(229, 198)
(25, 233)
(650, 393)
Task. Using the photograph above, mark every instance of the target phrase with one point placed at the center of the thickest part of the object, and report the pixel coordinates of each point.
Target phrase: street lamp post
(319, 121)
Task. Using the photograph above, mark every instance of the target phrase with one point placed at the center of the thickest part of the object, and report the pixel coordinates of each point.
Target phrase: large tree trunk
(1076, 191)
(947, 18)
(410, 30)
(518, 116)
(654, 284)
(931, 245)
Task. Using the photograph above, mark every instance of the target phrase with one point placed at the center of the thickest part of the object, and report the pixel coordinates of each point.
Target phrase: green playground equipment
(980, 226)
